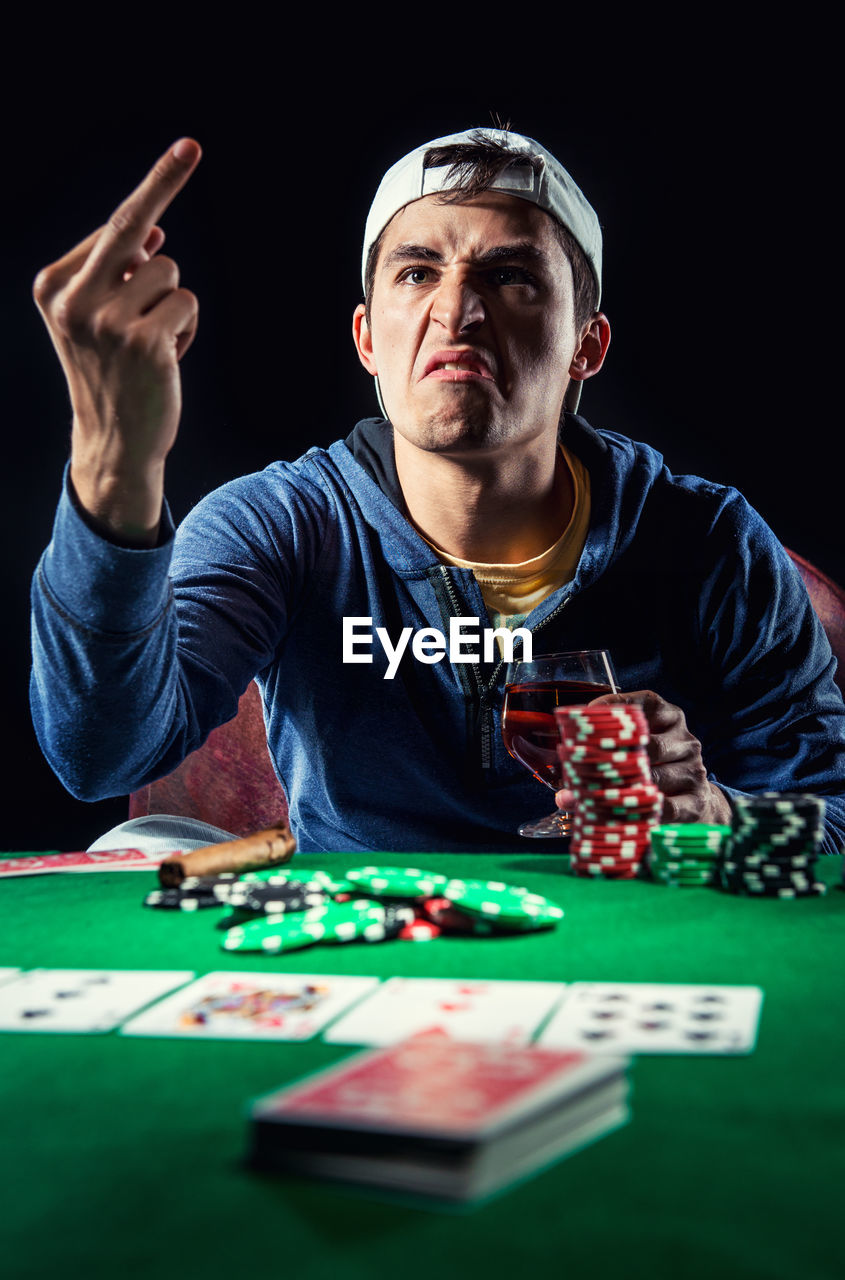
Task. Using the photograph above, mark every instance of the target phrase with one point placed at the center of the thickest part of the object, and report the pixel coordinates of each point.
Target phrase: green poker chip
(497, 902)
(398, 882)
(273, 935)
(312, 877)
(705, 835)
(336, 922)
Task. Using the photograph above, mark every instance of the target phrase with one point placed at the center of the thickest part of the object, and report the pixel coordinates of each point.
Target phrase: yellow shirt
(511, 591)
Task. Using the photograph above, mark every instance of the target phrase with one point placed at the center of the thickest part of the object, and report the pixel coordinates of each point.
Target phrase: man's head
(487, 222)
(463, 165)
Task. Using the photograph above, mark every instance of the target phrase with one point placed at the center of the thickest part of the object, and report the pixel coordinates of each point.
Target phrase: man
(478, 498)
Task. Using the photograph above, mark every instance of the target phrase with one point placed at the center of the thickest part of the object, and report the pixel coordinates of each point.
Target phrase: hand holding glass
(532, 691)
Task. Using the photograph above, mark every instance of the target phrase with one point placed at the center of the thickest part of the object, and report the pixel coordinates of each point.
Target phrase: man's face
(472, 328)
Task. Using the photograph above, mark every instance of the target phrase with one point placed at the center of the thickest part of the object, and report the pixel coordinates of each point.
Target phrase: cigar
(268, 848)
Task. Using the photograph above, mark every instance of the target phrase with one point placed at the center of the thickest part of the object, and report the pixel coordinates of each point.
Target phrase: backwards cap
(541, 179)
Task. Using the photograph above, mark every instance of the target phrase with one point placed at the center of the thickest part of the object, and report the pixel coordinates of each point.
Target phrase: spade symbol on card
(656, 1018)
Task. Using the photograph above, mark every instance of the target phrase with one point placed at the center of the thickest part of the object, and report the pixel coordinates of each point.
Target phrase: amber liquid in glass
(529, 727)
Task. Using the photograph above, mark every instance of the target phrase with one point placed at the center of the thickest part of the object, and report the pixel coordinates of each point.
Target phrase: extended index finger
(127, 229)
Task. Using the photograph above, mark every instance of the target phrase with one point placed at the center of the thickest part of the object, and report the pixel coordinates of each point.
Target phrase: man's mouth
(458, 366)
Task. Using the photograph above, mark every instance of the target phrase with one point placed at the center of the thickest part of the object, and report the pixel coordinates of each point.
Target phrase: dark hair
(473, 168)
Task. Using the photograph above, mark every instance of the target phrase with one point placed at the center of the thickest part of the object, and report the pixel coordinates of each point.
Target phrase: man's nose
(457, 306)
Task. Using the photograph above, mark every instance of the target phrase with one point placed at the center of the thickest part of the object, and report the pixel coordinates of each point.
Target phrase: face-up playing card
(81, 999)
(651, 1017)
(252, 1006)
(471, 1009)
(7, 974)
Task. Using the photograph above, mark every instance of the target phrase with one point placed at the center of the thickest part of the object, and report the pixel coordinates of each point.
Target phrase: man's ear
(592, 348)
(363, 339)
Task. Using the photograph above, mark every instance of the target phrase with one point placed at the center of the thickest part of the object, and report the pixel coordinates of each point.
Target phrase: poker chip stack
(604, 762)
(686, 854)
(275, 911)
(774, 842)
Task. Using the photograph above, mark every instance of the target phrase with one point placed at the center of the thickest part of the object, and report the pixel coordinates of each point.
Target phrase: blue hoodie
(139, 654)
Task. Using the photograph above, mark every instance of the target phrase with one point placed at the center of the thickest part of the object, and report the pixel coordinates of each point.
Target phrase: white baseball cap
(542, 180)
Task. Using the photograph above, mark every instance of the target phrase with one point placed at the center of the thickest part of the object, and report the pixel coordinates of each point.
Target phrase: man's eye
(510, 275)
(416, 275)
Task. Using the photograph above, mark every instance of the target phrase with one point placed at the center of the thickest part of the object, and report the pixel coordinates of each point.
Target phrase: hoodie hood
(622, 474)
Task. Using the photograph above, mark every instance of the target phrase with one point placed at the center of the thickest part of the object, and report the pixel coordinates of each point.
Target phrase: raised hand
(120, 324)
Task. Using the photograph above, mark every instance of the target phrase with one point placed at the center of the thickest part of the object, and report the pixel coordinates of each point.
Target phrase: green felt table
(125, 1157)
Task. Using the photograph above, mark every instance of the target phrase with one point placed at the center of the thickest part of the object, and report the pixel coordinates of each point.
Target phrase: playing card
(6, 974)
(432, 1084)
(433, 1115)
(501, 1012)
(81, 999)
(107, 860)
(257, 1006)
(652, 1017)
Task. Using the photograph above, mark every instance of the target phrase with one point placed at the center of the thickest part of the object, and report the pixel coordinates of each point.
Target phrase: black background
(711, 157)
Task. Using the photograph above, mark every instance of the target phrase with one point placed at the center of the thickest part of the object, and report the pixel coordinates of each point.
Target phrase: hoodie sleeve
(775, 719)
(139, 654)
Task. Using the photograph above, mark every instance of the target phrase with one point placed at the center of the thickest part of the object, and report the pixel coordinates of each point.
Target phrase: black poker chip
(260, 898)
(773, 846)
(396, 917)
(785, 802)
(179, 898)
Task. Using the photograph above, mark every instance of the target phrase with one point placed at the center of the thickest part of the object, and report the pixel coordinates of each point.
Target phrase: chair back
(229, 781)
(828, 600)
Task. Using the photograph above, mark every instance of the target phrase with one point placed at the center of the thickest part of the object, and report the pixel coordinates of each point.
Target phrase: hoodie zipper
(481, 697)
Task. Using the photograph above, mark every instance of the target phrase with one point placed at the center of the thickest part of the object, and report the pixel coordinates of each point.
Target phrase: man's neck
(495, 508)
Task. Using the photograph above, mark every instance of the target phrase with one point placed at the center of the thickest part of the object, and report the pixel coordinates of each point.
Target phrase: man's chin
(452, 433)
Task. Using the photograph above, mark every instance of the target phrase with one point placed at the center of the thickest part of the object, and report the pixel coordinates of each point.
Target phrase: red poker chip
(631, 867)
(589, 714)
(646, 791)
(583, 735)
(618, 830)
(579, 849)
(633, 762)
(607, 763)
(613, 831)
(596, 871)
(588, 813)
(603, 848)
(595, 857)
(420, 931)
(608, 815)
(592, 717)
(443, 912)
(601, 716)
(571, 721)
(610, 848)
(601, 781)
(600, 803)
(582, 753)
(644, 821)
(638, 770)
(604, 740)
(591, 801)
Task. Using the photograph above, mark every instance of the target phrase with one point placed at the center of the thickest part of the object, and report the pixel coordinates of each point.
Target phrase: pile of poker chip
(774, 842)
(686, 854)
(604, 761)
(276, 911)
